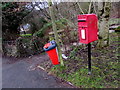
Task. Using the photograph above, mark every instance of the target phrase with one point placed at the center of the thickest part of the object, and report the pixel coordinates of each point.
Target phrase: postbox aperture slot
(82, 20)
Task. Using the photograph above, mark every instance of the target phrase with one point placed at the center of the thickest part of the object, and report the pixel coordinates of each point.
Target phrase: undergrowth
(105, 66)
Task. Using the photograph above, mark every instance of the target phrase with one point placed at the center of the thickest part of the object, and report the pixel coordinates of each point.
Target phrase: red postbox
(51, 50)
(87, 28)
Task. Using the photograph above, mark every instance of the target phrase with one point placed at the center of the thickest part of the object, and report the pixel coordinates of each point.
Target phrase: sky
(42, 6)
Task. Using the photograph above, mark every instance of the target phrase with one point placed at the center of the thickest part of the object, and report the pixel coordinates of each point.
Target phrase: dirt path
(21, 73)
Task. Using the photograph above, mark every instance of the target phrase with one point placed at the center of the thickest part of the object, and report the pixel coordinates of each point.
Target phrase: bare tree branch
(89, 7)
(80, 8)
(94, 8)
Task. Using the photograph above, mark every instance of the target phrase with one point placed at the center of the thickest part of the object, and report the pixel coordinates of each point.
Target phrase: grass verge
(104, 67)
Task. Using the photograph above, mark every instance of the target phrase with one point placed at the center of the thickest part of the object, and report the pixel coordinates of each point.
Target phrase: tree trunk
(103, 14)
(55, 31)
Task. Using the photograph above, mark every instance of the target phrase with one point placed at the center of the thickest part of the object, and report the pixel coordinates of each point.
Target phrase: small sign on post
(87, 30)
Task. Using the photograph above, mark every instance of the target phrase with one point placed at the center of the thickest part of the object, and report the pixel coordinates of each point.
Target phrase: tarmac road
(19, 75)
